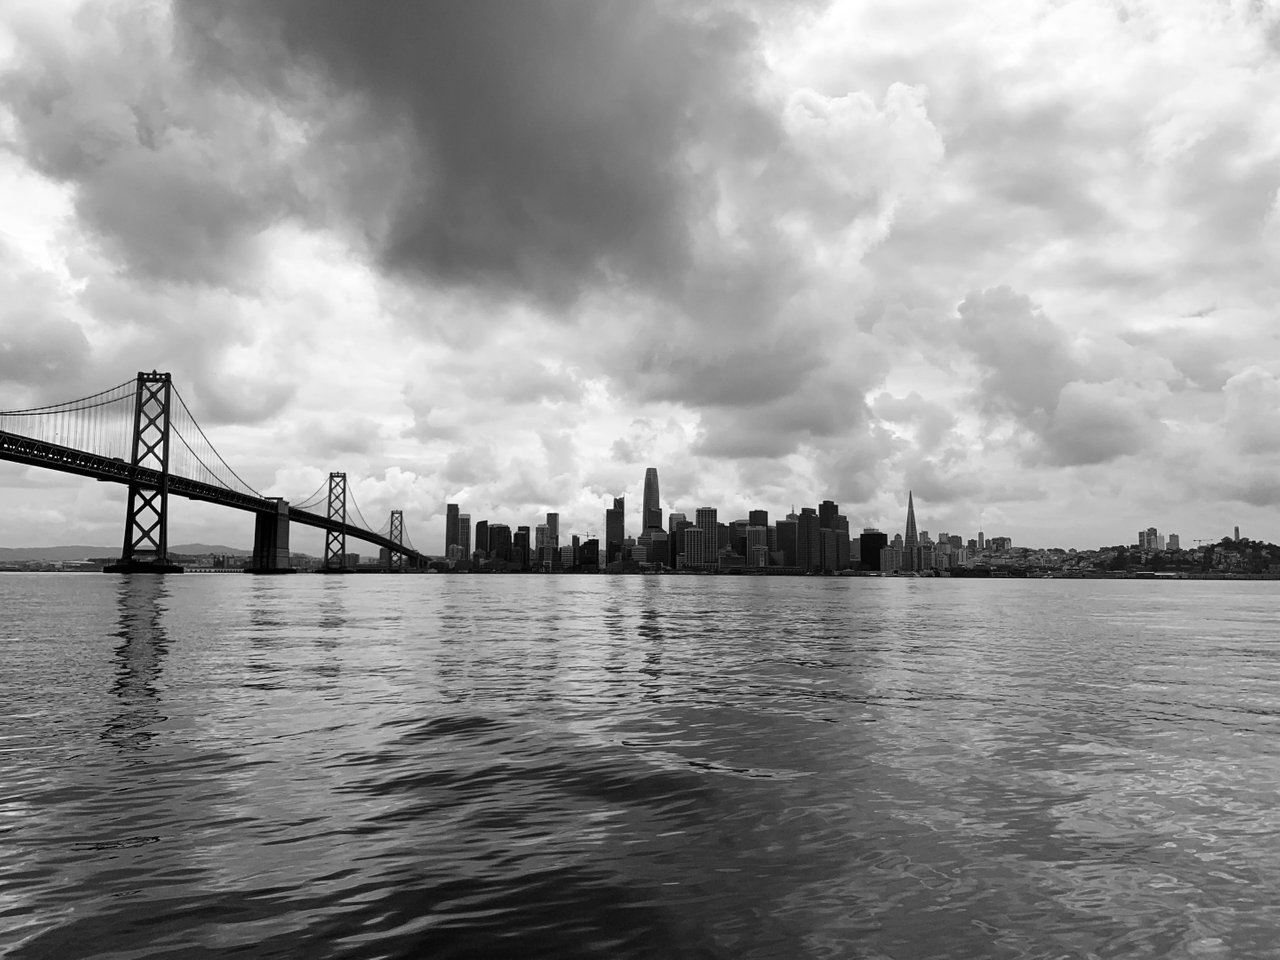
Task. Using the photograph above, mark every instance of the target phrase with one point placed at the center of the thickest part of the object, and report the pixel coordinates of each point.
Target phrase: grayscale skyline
(1016, 257)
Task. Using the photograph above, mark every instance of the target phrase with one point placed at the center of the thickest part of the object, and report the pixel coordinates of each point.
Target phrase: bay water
(613, 766)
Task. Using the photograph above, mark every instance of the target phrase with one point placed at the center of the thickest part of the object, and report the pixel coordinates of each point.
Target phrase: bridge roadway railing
(40, 453)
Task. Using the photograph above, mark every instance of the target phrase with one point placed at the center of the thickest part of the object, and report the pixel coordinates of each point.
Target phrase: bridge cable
(196, 424)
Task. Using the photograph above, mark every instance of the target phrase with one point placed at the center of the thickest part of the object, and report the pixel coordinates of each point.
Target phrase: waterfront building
(808, 540)
(450, 526)
(695, 556)
(614, 529)
(844, 545)
(651, 510)
(827, 548)
(870, 543)
(891, 557)
(482, 539)
(520, 548)
(705, 520)
(787, 542)
(500, 542)
(827, 511)
(678, 523)
(912, 540)
(464, 535)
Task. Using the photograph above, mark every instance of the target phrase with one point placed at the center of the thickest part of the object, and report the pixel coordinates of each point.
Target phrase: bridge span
(142, 435)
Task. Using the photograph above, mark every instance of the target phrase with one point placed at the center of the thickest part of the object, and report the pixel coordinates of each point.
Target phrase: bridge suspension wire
(356, 507)
(195, 457)
(318, 495)
(101, 423)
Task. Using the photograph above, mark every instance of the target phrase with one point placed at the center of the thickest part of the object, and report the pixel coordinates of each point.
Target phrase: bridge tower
(146, 533)
(335, 541)
(395, 559)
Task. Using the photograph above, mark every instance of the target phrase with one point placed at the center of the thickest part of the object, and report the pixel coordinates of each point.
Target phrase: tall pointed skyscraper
(651, 516)
(911, 542)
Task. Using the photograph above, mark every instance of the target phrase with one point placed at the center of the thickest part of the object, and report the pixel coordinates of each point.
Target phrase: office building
(758, 518)
(464, 535)
(450, 526)
(870, 543)
(500, 542)
(705, 520)
(808, 540)
(521, 548)
(911, 541)
(827, 511)
(695, 556)
(481, 548)
(787, 539)
(614, 530)
(650, 510)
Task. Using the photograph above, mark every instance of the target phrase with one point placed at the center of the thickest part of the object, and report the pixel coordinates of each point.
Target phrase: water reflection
(139, 658)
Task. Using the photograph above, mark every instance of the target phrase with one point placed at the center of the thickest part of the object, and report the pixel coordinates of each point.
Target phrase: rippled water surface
(637, 767)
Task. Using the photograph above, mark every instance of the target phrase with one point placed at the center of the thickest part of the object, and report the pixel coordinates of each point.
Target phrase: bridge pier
(271, 541)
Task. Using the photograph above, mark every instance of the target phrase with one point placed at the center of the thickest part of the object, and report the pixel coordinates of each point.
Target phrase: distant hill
(79, 552)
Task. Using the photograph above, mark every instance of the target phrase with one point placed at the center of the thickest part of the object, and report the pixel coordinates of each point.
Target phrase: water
(637, 767)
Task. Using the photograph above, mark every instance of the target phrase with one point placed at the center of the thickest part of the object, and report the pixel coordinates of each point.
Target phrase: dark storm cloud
(174, 185)
(545, 140)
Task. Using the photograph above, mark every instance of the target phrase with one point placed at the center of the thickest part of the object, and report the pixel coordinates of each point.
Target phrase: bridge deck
(39, 453)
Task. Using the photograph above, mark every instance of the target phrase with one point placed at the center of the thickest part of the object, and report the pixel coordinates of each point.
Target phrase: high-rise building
(651, 511)
(500, 542)
(520, 548)
(482, 538)
(757, 546)
(787, 542)
(982, 540)
(870, 543)
(911, 541)
(827, 511)
(677, 525)
(542, 546)
(1174, 542)
(827, 550)
(844, 548)
(614, 530)
(808, 540)
(464, 535)
(705, 520)
(758, 518)
(450, 526)
(695, 556)
(553, 530)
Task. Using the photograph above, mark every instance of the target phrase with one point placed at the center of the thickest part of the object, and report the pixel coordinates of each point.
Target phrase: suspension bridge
(142, 434)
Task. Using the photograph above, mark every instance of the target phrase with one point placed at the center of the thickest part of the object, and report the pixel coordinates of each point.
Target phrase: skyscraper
(809, 540)
(651, 512)
(464, 536)
(827, 511)
(450, 526)
(912, 540)
(706, 522)
(614, 530)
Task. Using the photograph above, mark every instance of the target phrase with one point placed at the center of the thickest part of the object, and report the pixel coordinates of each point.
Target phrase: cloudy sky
(1017, 256)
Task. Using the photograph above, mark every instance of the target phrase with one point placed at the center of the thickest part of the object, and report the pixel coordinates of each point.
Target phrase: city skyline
(1011, 257)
